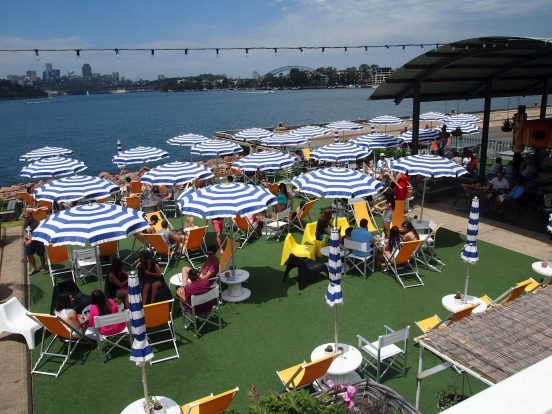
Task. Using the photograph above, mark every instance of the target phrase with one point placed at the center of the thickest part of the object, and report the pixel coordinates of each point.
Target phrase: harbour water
(91, 125)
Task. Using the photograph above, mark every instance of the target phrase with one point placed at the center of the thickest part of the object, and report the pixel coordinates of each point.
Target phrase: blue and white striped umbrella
(53, 167)
(253, 134)
(119, 147)
(549, 227)
(140, 352)
(469, 251)
(284, 140)
(373, 141)
(466, 127)
(428, 166)
(344, 126)
(334, 294)
(70, 189)
(432, 116)
(216, 148)
(93, 223)
(265, 160)
(226, 200)
(310, 131)
(337, 183)
(187, 140)
(469, 118)
(340, 152)
(140, 155)
(176, 172)
(425, 135)
(45, 152)
(386, 120)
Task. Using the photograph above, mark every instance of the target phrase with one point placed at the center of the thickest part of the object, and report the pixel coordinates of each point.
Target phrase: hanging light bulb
(247, 53)
(387, 46)
(78, 53)
(152, 52)
(403, 47)
(345, 51)
(117, 55)
(276, 52)
(301, 50)
(423, 48)
(365, 50)
(217, 53)
(185, 54)
(322, 51)
(37, 56)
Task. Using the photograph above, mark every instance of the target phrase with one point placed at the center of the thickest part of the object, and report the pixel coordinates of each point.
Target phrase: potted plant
(153, 405)
(507, 125)
(448, 397)
(458, 297)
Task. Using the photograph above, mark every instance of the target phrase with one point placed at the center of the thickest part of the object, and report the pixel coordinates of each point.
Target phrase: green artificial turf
(277, 327)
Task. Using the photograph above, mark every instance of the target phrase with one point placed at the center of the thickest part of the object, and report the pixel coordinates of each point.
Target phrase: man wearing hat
(383, 166)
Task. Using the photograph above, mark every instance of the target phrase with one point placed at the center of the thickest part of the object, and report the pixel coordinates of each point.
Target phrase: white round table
(171, 406)
(176, 280)
(342, 371)
(545, 271)
(420, 224)
(235, 292)
(449, 303)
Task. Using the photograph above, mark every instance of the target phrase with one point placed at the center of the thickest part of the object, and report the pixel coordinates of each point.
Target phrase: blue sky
(243, 24)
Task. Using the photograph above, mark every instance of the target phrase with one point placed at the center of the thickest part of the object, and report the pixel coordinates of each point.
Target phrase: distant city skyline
(171, 24)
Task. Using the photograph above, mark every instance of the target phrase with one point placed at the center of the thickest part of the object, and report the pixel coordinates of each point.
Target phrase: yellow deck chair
(162, 251)
(59, 329)
(360, 210)
(342, 224)
(57, 255)
(461, 313)
(306, 154)
(27, 198)
(299, 250)
(109, 250)
(225, 260)
(243, 228)
(430, 323)
(136, 187)
(138, 237)
(273, 188)
(301, 375)
(212, 404)
(403, 264)
(397, 218)
(309, 236)
(302, 215)
(532, 285)
(488, 301)
(133, 202)
(160, 327)
(512, 293)
(161, 217)
(195, 244)
(40, 213)
(48, 204)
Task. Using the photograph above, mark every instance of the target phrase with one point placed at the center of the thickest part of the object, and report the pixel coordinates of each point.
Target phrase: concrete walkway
(16, 390)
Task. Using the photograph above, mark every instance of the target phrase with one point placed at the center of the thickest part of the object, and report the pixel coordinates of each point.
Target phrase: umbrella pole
(335, 329)
(467, 282)
(423, 198)
(145, 382)
(98, 266)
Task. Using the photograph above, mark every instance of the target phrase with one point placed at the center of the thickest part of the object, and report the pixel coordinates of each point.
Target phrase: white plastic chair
(13, 319)
(367, 259)
(84, 264)
(114, 340)
(191, 319)
(279, 225)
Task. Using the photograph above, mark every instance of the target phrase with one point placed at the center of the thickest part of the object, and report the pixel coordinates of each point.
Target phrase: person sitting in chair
(323, 228)
(195, 286)
(515, 194)
(64, 310)
(150, 276)
(169, 235)
(209, 269)
(363, 235)
(152, 223)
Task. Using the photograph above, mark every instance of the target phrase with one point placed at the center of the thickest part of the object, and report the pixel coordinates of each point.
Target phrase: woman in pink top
(103, 306)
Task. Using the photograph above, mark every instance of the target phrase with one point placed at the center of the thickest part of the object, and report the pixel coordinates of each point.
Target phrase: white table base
(171, 406)
(235, 291)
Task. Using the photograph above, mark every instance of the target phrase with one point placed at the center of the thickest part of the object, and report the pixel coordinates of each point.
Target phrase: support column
(544, 100)
(485, 134)
(416, 119)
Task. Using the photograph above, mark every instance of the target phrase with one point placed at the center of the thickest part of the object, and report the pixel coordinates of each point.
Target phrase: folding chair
(136, 187)
(532, 285)
(108, 249)
(366, 258)
(244, 228)
(430, 323)
(169, 206)
(161, 217)
(360, 210)
(108, 343)
(309, 236)
(427, 253)
(28, 199)
(397, 218)
(57, 255)
(192, 317)
(84, 264)
(40, 213)
(434, 321)
(46, 204)
(272, 187)
(195, 247)
(69, 337)
(299, 250)
(156, 315)
(144, 245)
(511, 293)
(225, 260)
(302, 215)
(384, 352)
(133, 202)
(162, 251)
(212, 404)
(402, 263)
(304, 374)
(13, 319)
(279, 225)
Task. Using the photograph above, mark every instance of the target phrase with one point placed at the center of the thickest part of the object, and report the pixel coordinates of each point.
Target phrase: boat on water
(118, 90)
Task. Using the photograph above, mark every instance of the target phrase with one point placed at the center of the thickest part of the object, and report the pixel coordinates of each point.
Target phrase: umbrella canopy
(373, 141)
(469, 251)
(334, 295)
(253, 134)
(70, 189)
(309, 131)
(432, 116)
(386, 120)
(428, 166)
(265, 160)
(45, 152)
(140, 352)
(53, 167)
(284, 140)
(225, 200)
(140, 155)
(466, 127)
(337, 183)
(94, 223)
(423, 135)
(176, 172)
(461, 118)
(119, 147)
(344, 126)
(340, 152)
(187, 140)
(215, 148)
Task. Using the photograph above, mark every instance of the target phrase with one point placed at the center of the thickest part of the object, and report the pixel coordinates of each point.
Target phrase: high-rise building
(255, 75)
(32, 75)
(115, 76)
(86, 70)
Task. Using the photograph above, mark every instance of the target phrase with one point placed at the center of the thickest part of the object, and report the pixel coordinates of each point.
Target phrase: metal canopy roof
(514, 66)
